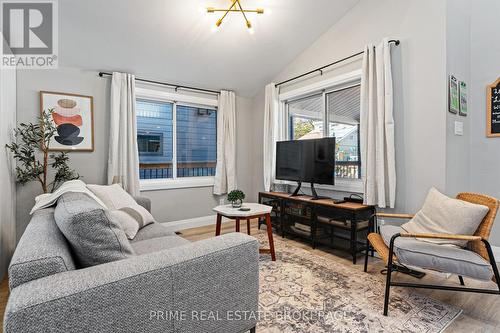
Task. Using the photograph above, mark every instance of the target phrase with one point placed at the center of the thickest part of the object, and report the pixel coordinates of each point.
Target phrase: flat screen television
(310, 161)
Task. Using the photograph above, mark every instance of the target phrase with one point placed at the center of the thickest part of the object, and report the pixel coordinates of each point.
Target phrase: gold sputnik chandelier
(238, 8)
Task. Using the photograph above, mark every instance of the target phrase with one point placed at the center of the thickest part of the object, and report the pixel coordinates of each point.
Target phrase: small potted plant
(236, 197)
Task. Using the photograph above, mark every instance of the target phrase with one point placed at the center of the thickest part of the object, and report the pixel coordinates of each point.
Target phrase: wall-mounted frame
(73, 117)
(493, 109)
(453, 100)
(462, 92)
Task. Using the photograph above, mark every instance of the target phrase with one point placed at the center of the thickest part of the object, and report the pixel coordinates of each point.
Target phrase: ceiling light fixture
(235, 7)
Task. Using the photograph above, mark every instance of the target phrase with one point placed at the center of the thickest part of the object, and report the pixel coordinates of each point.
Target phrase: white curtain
(225, 170)
(274, 123)
(123, 161)
(377, 127)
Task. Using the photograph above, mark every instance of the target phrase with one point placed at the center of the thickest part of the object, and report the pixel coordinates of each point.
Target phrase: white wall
(458, 41)
(485, 69)
(167, 205)
(7, 184)
(419, 69)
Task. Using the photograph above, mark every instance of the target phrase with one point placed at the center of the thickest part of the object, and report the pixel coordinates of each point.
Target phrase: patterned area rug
(303, 292)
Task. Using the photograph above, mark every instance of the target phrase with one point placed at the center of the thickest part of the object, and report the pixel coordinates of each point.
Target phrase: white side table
(256, 211)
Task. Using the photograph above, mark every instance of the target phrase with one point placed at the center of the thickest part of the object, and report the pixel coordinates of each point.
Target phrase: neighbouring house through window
(333, 113)
(175, 140)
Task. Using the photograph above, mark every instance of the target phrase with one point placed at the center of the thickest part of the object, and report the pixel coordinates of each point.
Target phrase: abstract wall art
(73, 116)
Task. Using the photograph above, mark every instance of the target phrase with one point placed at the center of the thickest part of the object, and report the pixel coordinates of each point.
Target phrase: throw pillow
(113, 196)
(443, 215)
(93, 236)
(127, 222)
(117, 199)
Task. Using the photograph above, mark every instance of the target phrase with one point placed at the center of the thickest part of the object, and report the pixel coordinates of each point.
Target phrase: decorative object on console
(236, 197)
(74, 119)
(34, 138)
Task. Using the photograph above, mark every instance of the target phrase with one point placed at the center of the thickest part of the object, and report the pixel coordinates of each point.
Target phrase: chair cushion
(153, 230)
(158, 244)
(443, 258)
(93, 236)
(443, 215)
(41, 251)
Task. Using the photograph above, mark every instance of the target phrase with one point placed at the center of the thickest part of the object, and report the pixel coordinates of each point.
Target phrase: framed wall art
(73, 117)
(453, 101)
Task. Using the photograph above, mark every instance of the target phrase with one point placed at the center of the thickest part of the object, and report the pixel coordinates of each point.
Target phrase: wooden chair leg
(248, 226)
(269, 228)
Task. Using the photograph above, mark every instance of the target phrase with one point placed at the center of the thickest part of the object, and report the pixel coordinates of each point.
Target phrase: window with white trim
(176, 140)
(330, 113)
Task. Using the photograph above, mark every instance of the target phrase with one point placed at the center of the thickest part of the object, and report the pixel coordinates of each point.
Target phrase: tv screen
(310, 161)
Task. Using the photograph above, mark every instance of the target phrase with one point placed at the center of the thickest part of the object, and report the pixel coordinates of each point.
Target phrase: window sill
(172, 184)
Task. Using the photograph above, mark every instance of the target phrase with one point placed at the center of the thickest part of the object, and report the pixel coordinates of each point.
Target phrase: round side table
(256, 211)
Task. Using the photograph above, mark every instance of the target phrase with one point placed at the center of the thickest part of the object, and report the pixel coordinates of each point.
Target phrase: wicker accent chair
(477, 243)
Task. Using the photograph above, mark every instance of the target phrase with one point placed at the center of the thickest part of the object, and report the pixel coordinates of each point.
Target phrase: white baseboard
(190, 223)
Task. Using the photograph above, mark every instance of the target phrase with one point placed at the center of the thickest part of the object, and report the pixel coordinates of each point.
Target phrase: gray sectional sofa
(168, 285)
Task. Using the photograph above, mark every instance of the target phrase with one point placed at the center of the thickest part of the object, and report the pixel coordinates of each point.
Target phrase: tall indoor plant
(31, 151)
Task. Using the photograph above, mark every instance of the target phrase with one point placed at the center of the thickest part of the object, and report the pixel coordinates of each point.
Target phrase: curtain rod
(320, 69)
(175, 86)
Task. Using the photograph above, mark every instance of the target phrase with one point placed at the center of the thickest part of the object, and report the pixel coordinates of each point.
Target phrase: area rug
(304, 292)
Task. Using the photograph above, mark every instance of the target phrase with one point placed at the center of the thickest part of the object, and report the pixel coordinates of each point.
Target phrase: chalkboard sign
(493, 110)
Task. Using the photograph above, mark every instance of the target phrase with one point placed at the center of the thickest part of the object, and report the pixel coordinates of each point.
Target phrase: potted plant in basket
(236, 197)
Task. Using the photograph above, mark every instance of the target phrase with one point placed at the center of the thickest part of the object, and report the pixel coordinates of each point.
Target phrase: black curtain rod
(320, 69)
(175, 86)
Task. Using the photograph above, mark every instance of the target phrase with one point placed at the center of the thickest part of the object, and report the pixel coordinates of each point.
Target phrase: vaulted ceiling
(173, 40)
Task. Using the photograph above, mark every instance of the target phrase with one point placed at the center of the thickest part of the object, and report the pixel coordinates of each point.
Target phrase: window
(306, 118)
(333, 113)
(175, 140)
(343, 107)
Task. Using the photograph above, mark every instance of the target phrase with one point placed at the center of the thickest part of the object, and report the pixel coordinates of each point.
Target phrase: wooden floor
(481, 313)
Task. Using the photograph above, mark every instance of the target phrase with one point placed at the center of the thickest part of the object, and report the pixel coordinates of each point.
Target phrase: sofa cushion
(443, 215)
(153, 230)
(41, 251)
(444, 258)
(94, 237)
(158, 244)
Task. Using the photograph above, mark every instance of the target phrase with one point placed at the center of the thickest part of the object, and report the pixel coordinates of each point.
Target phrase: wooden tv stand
(306, 218)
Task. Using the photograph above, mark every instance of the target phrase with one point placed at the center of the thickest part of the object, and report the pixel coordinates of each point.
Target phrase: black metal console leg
(367, 254)
(461, 280)
(354, 241)
(389, 271)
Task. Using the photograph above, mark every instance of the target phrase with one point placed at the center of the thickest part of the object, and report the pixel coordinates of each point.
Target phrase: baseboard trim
(190, 223)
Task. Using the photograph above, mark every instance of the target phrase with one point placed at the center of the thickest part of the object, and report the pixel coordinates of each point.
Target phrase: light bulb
(251, 31)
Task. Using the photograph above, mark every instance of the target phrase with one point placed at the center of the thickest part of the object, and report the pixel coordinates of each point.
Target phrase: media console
(321, 221)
